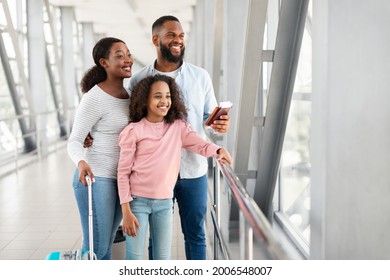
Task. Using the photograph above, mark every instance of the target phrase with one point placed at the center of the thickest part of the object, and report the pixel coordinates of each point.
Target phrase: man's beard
(166, 54)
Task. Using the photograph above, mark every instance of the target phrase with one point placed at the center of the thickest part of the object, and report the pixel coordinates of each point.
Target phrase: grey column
(37, 65)
(208, 35)
(198, 34)
(350, 137)
(218, 24)
(88, 44)
(68, 64)
(235, 50)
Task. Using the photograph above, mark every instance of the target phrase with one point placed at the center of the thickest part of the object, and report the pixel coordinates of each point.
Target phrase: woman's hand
(84, 170)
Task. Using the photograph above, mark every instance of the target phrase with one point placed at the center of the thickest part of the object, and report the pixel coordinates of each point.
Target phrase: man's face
(171, 41)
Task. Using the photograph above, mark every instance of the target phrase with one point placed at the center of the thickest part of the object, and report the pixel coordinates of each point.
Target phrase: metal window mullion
(287, 48)
(58, 66)
(60, 117)
(29, 141)
(249, 85)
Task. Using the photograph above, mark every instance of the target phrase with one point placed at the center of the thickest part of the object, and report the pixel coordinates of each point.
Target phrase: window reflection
(294, 176)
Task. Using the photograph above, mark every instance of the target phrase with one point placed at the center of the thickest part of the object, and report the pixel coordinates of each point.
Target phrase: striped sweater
(104, 116)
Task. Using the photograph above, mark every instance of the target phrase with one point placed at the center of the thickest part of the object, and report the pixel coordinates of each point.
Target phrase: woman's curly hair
(140, 94)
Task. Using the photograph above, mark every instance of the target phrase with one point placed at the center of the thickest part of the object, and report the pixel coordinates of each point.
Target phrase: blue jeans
(107, 213)
(191, 196)
(158, 214)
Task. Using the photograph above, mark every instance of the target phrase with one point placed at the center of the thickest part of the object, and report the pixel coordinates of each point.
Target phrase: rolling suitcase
(78, 254)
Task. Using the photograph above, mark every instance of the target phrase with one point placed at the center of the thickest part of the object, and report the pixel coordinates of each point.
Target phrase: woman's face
(159, 101)
(119, 62)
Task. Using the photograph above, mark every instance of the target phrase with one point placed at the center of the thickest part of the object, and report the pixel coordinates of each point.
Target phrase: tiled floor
(38, 212)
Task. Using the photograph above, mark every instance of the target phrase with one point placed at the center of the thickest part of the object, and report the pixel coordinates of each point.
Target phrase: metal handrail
(29, 115)
(11, 159)
(252, 213)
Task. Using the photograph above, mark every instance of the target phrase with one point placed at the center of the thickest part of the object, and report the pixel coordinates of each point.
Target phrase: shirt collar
(180, 68)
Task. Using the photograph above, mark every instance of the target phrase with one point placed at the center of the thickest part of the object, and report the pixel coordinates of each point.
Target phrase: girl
(102, 112)
(149, 162)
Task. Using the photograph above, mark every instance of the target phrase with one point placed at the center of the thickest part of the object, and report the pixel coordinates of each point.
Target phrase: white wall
(350, 149)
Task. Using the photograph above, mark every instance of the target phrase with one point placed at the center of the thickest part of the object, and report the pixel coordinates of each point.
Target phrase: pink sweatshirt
(149, 158)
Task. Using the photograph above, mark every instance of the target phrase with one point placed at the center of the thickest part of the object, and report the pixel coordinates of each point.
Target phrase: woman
(102, 113)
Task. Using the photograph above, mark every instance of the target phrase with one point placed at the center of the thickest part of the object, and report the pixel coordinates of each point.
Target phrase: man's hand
(88, 141)
(221, 125)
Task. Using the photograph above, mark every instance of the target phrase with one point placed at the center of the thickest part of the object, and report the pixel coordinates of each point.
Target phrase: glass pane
(295, 168)
(294, 180)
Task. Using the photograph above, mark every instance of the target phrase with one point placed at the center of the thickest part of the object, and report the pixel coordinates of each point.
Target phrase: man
(198, 94)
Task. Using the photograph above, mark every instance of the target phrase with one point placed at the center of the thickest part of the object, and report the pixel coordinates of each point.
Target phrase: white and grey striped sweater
(104, 116)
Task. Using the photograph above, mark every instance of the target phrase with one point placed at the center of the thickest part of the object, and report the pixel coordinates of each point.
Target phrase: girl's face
(119, 62)
(159, 101)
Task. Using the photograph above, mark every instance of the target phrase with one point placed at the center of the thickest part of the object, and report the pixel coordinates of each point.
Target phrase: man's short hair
(160, 22)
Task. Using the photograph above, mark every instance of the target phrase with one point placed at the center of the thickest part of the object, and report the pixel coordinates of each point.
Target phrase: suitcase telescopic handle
(90, 218)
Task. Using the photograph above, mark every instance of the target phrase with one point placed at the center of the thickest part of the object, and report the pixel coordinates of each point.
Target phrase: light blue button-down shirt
(198, 94)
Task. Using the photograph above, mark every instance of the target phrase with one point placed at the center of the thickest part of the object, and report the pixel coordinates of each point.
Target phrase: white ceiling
(131, 20)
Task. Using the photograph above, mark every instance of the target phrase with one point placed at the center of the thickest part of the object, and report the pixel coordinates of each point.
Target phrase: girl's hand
(130, 223)
(224, 155)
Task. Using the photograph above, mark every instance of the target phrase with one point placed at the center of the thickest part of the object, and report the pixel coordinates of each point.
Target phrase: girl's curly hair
(140, 94)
